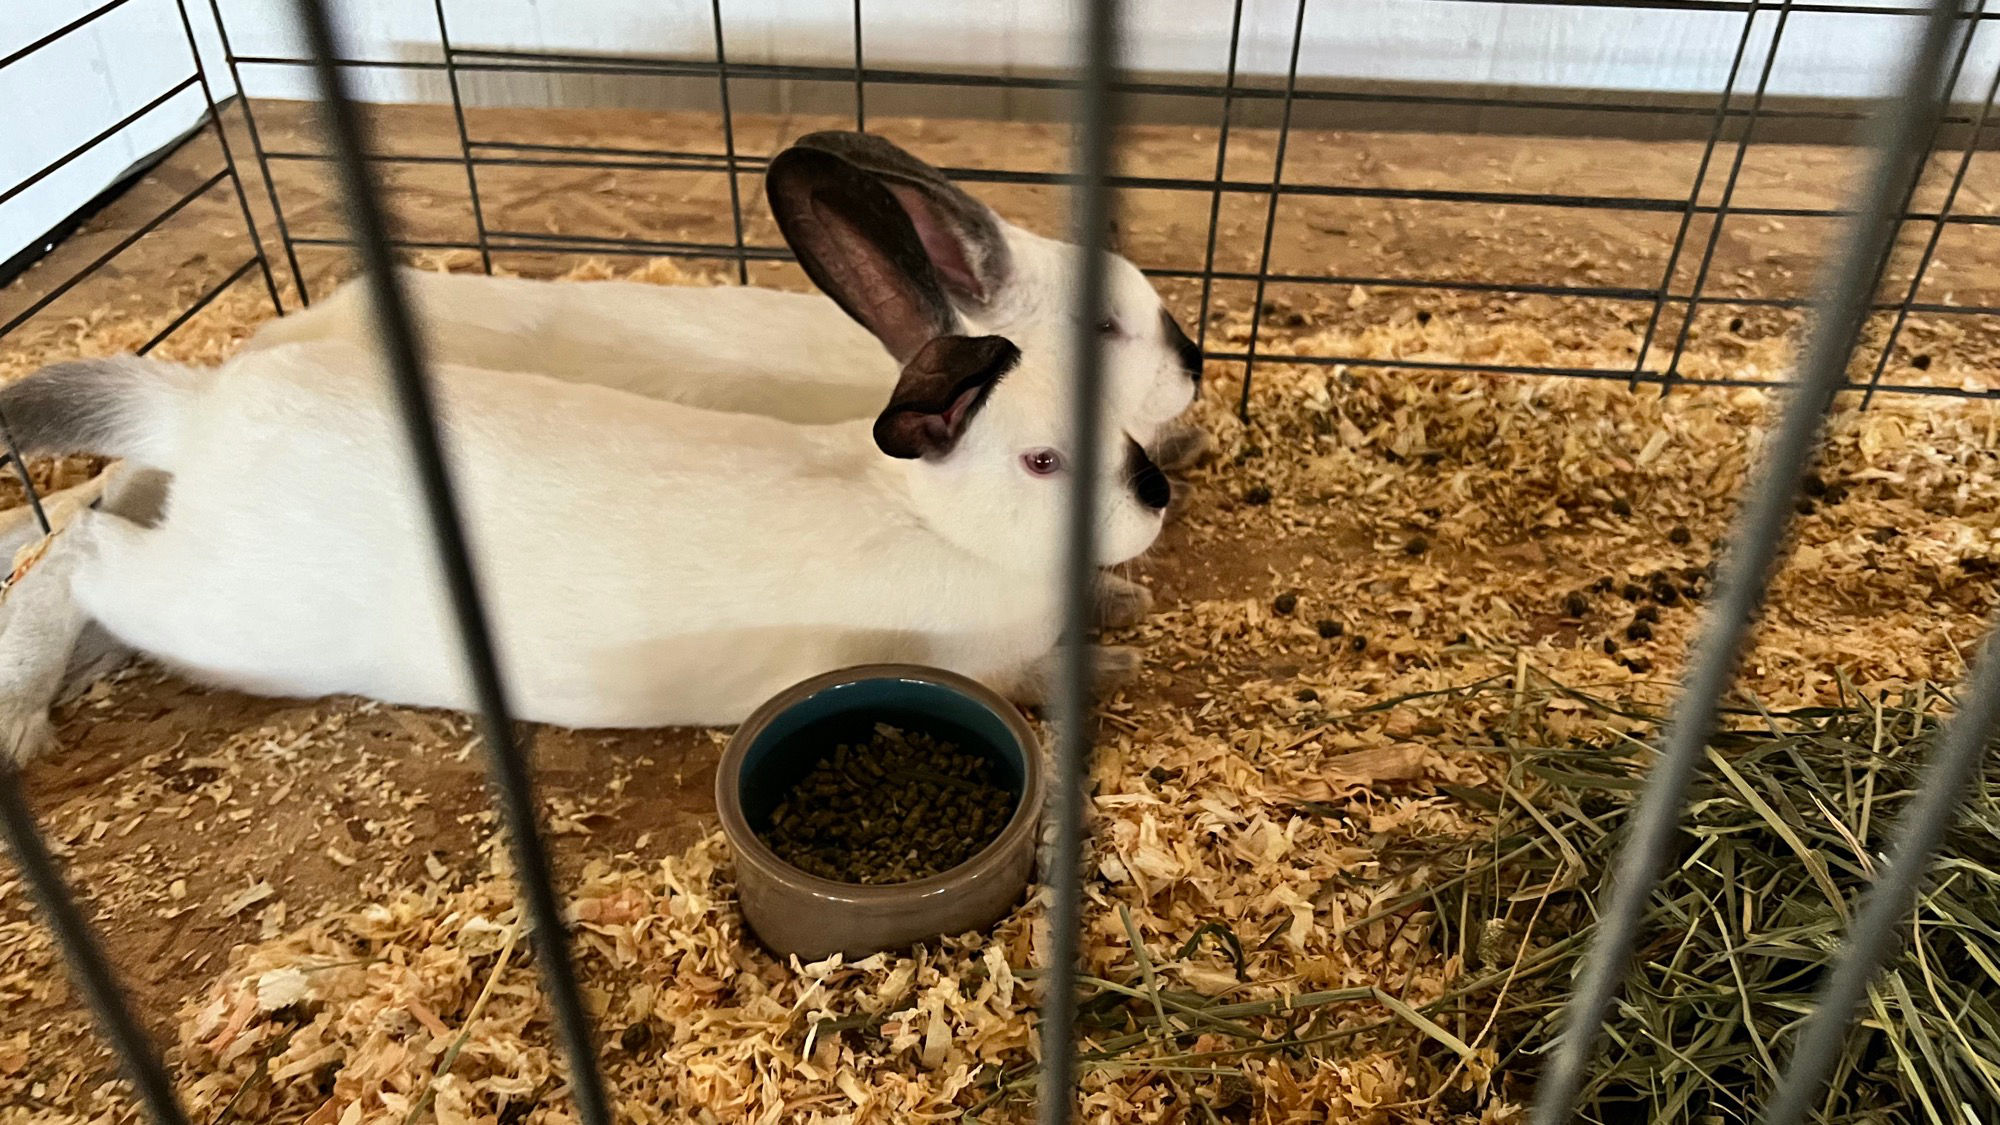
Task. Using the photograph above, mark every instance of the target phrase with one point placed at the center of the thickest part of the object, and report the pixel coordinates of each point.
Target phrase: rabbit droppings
(646, 563)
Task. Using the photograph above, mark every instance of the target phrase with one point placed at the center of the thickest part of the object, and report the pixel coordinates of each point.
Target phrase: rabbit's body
(793, 356)
(643, 563)
(801, 357)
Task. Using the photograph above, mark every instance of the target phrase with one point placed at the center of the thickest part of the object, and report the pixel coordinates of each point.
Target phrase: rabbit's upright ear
(858, 245)
(961, 234)
(942, 387)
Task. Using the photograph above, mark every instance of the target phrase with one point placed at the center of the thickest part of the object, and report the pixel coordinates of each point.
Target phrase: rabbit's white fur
(644, 563)
(795, 356)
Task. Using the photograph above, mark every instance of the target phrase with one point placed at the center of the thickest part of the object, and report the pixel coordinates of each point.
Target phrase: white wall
(1824, 54)
(66, 93)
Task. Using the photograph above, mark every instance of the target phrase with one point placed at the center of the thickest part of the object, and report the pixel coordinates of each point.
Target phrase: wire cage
(1903, 217)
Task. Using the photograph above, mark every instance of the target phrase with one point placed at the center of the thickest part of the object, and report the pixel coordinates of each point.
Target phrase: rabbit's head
(984, 425)
(1002, 280)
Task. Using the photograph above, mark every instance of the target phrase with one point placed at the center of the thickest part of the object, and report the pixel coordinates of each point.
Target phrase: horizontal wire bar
(509, 62)
(691, 162)
(610, 150)
(687, 249)
(123, 244)
(627, 247)
(1756, 541)
(1599, 373)
(81, 21)
(200, 303)
(1724, 6)
(113, 130)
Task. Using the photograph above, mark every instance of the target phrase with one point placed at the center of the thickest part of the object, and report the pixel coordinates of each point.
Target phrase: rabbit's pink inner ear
(887, 305)
(946, 245)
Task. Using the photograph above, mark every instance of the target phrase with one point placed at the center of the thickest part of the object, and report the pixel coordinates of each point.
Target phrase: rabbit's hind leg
(43, 623)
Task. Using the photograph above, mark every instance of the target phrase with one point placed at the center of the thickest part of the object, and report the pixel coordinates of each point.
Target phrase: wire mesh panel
(1662, 303)
(1662, 315)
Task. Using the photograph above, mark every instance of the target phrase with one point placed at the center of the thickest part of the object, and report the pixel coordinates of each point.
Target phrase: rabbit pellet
(901, 806)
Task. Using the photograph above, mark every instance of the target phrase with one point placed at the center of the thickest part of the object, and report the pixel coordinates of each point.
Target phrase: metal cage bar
(507, 760)
(257, 149)
(1884, 911)
(1221, 172)
(464, 138)
(77, 24)
(235, 185)
(568, 62)
(729, 146)
(1721, 213)
(860, 78)
(144, 1070)
(1754, 546)
(1097, 114)
(1271, 211)
(1694, 193)
(1909, 302)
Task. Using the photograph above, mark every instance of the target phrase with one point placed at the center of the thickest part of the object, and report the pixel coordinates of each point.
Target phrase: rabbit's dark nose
(1149, 484)
(1184, 347)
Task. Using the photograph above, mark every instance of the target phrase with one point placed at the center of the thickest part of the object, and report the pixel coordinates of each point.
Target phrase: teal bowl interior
(801, 735)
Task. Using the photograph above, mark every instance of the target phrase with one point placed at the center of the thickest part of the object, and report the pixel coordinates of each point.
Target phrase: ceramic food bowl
(798, 913)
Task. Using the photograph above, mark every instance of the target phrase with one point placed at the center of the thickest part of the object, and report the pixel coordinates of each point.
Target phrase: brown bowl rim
(751, 849)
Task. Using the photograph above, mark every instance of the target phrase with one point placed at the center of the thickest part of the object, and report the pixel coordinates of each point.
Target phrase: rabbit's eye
(1042, 462)
(1108, 326)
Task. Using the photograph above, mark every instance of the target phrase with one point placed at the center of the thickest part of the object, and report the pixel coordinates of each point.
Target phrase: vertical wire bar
(507, 762)
(1885, 907)
(229, 158)
(20, 464)
(860, 86)
(1930, 147)
(1097, 110)
(1221, 167)
(1846, 289)
(88, 969)
(1672, 370)
(1694, 194)
(257, 148)
(1937, 234)
(1271, 211)
(464, 139)
(729, 146)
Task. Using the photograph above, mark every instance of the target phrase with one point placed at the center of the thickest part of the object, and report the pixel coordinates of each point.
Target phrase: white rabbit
(644, 562)
(799, 356)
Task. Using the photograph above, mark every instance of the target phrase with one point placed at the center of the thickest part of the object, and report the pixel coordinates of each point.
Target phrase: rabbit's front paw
(1115, 667)
(1121, 602)
(25, 731)
(1112, 667)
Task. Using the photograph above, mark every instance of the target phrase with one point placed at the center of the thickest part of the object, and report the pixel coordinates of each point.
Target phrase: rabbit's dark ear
(942, 387)
(858, 245)
(961, 234)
